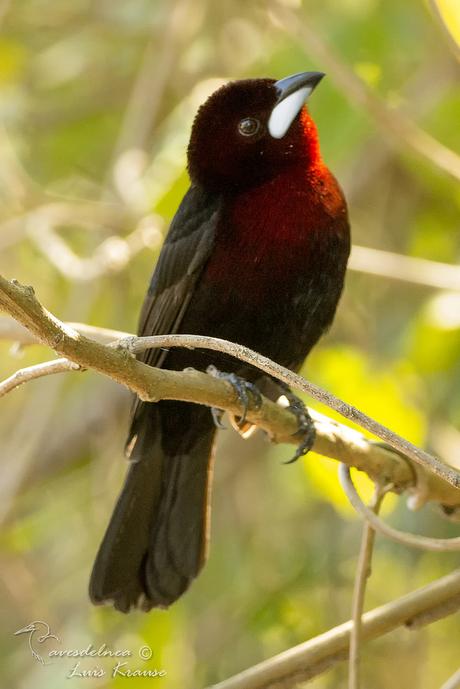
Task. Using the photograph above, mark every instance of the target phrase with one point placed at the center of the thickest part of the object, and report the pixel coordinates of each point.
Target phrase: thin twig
(24, 375)
(422, 542)
(363, 572)
(310, 659)
(15, 332)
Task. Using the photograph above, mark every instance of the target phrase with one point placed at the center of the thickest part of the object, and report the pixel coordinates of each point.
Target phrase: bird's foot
(217, 415)
(306, 428)
(246, 393)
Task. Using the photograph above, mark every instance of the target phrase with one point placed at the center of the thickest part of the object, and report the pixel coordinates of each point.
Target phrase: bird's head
(250, 130)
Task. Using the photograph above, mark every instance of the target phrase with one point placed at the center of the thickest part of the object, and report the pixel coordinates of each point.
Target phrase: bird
(255, 254)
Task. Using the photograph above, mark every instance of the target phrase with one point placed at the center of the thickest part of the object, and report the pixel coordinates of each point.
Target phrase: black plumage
(261, 262)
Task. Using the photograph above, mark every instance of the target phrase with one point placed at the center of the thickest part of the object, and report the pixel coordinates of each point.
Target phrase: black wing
(187, 246)
(185, 251)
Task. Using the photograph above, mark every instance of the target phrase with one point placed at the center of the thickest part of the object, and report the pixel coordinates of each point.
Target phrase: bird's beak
(291, 92)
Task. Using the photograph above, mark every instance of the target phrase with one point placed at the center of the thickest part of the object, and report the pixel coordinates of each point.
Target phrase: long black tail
(156, 541)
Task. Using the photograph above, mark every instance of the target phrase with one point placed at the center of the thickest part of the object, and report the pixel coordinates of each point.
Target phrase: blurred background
(96, 103)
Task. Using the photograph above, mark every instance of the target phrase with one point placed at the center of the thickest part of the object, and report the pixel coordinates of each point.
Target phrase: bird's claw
(244, 391)
(306, 427)
(217, 415)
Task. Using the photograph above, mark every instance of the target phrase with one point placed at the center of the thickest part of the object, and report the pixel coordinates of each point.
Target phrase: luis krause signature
(38, 632)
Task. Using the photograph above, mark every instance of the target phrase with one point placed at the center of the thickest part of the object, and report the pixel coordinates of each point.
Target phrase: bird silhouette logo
(35, 637)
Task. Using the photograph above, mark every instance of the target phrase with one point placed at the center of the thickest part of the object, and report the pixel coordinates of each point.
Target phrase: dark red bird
(256, 254)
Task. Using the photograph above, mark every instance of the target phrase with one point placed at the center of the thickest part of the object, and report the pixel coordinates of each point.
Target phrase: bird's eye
(249, 126)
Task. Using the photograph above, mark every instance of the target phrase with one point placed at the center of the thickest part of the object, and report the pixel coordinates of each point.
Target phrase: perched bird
(255, 254)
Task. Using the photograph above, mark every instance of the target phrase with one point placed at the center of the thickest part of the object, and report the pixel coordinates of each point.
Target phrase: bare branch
(363, 572)
(22, 304)
(422, 542)
(24, 375)
(332, 439)
(309, 659)
(296, 381)
(15, 332)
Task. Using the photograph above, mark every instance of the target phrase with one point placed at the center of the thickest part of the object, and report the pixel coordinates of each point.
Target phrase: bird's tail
(156, 541)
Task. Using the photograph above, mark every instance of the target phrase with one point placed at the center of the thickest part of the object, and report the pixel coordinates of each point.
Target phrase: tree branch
(309, 659)
(151, 384)
(403, 537)
(15, 332)
(294, 380)
(363, 572)
(24, 375)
